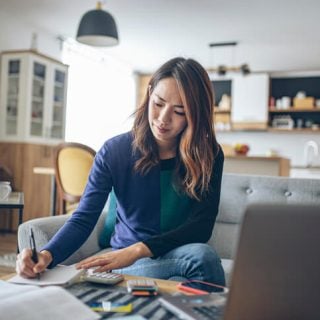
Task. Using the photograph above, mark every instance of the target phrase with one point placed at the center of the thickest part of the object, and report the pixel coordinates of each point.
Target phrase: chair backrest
(73, 162)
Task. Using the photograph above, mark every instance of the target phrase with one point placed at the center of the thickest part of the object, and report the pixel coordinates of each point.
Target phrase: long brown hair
(198, 145)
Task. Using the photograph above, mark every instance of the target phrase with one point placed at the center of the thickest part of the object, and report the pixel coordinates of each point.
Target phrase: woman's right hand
(26, 268)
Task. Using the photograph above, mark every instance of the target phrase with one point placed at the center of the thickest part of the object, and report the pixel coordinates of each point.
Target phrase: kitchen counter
(312, 172)
(260, 165)
(306, 167)
(266, 158)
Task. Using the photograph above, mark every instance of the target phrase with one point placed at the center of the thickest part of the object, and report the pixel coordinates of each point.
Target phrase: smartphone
(142, 287)
(200, 287)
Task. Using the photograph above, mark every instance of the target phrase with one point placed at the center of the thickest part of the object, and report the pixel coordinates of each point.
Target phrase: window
(101, 95)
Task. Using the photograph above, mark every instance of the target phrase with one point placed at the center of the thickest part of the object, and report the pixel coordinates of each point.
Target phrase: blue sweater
(138, 206)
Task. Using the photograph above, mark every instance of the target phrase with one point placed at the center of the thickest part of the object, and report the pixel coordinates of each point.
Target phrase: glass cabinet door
(57, 116)
(37, 99)
(32, 97)
(12, 103)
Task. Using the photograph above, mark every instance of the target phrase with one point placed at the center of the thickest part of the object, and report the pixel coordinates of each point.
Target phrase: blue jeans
(196, 261)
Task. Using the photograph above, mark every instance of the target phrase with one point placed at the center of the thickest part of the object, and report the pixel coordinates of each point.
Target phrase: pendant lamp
(97, 28)
(222, 69)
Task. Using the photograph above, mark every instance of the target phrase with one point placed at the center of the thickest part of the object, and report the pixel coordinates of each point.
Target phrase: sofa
(237, 192)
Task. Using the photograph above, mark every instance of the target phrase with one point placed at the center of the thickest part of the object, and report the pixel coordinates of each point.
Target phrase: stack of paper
(25, 302)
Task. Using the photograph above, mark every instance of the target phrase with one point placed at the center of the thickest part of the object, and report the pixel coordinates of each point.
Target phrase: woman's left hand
(116, 259)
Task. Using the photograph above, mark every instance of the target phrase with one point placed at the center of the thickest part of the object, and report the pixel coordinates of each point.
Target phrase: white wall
(16, 35)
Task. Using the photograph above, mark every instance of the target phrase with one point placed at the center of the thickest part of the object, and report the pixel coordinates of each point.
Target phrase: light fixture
(98, 28)
(222, 69)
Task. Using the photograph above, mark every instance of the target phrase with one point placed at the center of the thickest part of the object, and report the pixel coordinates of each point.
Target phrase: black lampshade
(98, 28)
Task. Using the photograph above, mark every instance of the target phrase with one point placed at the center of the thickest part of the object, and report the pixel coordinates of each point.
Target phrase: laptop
(276, 273)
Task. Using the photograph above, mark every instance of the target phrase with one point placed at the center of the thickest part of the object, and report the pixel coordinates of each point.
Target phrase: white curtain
(101, 95)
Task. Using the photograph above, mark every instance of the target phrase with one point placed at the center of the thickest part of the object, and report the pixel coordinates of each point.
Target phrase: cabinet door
(32, 98)
(56, 124)
(12, 103)
(48, 100)
(250, 101)
(39, 77)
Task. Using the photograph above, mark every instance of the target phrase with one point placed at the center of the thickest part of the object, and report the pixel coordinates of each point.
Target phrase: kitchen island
(259, 165)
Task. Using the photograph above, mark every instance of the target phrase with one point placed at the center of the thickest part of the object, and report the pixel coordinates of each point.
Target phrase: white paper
(60, 275)
(33, 303)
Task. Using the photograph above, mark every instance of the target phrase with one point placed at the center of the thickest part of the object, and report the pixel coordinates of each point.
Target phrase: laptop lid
(277, 267)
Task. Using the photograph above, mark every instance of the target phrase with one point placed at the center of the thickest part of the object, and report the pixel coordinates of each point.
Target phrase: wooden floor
(8, 244)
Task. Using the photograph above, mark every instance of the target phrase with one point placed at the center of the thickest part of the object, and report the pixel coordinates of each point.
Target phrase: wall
(289, 145)
(18, 35)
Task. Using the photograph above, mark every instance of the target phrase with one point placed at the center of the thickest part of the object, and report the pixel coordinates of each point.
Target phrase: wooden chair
(73, 162)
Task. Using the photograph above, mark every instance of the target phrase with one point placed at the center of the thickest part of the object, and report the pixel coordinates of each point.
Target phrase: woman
(166, 175)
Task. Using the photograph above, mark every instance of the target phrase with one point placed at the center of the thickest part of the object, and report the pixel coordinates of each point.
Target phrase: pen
(34, 256)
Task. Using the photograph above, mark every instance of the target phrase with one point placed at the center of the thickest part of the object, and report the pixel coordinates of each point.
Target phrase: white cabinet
(249, 100)
(250, 95)
(32, 97)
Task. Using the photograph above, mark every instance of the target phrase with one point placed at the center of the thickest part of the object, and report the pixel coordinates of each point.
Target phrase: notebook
(276, 273)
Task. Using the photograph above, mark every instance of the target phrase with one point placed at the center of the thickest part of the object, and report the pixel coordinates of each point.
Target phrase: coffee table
(148, 307)
(165, 286)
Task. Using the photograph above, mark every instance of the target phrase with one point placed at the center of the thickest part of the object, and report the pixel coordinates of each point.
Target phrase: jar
(5, 190)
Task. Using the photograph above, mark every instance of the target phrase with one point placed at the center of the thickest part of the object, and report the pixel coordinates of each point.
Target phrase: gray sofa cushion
(237, 191)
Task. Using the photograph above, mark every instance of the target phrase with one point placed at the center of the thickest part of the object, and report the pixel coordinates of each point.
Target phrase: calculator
(102, 277)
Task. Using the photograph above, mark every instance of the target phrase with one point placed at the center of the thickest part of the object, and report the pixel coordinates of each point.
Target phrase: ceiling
(271, 34)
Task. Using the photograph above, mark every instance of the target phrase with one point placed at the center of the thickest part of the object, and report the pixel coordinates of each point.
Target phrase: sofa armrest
(45, 228)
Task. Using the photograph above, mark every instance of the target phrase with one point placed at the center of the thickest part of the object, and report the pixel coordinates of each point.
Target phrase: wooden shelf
(242, 130)
(295, 130)
(248, 125)
(218, 110)
(222, 111)
(291, 110)
(224, 130)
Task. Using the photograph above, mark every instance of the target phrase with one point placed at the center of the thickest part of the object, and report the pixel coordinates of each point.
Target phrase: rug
(8, 260)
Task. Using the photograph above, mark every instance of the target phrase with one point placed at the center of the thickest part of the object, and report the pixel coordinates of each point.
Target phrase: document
(60, 275)
(33, 303)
